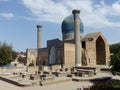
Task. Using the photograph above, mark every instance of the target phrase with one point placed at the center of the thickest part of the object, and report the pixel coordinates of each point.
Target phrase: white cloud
(92, 15)
(116, 8)
(7, 15)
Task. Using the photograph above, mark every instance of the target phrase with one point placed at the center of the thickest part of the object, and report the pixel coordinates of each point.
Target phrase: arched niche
(100, 51)
(52, 58)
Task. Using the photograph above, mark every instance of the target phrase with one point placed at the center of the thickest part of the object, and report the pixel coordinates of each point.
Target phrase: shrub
(31, 64)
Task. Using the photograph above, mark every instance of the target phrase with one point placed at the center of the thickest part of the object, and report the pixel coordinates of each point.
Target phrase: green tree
(7, 54)
(115, 57)
(22, 60)
(115, 61)
(114, 48)
(14, 55)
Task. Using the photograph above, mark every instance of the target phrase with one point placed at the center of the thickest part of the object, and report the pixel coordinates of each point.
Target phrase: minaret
(77, 37)
(39, 29)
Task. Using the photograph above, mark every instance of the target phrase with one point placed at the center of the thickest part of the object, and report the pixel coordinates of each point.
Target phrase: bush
(31, 64)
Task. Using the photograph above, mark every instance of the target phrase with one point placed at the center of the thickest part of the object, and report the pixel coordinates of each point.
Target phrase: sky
(18, 20)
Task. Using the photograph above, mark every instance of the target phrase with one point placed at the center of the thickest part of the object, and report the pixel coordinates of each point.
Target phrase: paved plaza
(62, 86)
(70, 85)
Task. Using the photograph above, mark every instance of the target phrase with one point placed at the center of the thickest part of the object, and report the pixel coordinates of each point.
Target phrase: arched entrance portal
(52, 56)
(100, 51)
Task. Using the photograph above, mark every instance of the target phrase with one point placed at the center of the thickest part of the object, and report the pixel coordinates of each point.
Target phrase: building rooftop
(90, 36)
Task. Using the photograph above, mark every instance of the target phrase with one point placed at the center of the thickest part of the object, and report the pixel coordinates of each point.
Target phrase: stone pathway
(7, 86)
(62, 86)
(71, 85)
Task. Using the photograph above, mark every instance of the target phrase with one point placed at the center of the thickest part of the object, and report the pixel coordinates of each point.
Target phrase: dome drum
(68, 36)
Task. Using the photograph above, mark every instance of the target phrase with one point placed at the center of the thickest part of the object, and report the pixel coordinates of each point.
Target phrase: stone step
(102, 78)
(60, 74)
(50, 77)
(55, 81)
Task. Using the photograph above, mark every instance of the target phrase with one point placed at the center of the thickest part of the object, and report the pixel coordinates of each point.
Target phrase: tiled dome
(68, 26)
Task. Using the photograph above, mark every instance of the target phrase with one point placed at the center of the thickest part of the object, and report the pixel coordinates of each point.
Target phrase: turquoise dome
(68, 25)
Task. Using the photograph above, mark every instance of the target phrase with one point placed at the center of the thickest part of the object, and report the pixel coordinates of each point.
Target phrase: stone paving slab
(56, 80)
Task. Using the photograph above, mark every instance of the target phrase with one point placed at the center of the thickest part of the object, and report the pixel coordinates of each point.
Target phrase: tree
(7, 54)
(22, 60)
(114, 48)
(14, 55)
(115, 58)
(115, 61)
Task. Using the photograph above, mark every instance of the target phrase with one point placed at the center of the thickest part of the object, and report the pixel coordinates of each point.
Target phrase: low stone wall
(32, 69)
(55, 67)
(10, 70)
(52, 67)
(19, 69)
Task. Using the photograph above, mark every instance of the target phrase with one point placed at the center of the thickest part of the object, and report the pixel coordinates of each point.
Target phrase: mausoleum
(91, 50)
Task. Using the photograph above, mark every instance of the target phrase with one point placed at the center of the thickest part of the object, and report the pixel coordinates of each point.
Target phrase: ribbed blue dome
(68, 25)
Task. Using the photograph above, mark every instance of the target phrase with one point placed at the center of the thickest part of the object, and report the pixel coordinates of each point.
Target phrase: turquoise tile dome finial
(68, 26)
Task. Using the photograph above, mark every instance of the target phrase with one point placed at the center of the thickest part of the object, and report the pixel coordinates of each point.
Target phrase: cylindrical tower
(39, 30)
(77, 37)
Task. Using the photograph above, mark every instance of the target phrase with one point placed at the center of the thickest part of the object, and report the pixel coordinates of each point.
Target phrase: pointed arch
(100, 51)
(52, 58)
